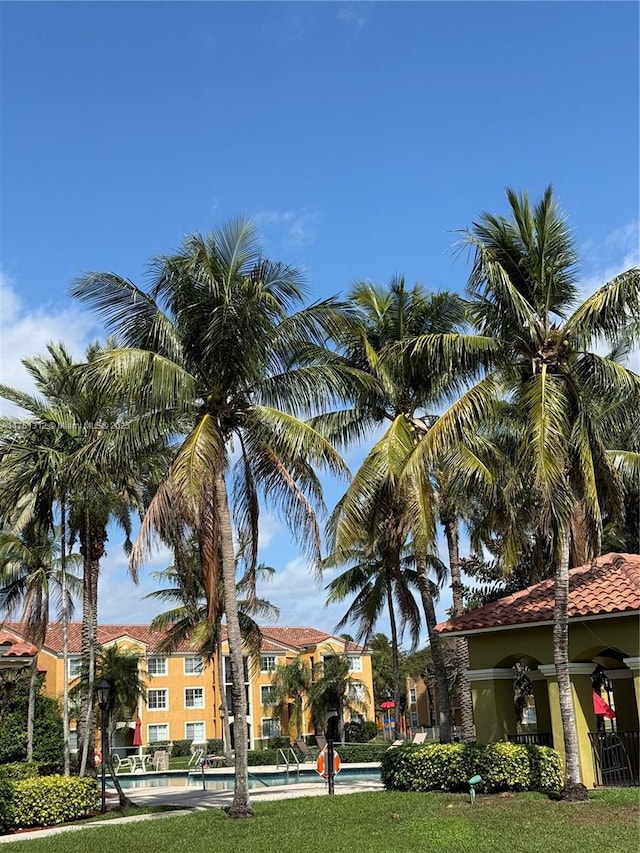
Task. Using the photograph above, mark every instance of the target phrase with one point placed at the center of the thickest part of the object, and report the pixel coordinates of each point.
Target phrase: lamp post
(103, 689)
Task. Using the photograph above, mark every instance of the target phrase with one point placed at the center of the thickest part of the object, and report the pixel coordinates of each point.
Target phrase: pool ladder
(289, 758)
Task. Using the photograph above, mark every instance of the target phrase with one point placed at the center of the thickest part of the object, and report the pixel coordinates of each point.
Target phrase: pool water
(225, 782)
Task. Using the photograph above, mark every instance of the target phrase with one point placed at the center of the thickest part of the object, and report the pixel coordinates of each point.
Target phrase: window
(270, 728)
(357, 718)
(158, 732)
(194, 732)
(266, 693)
(193, 666)
(356, 691)
(156, 666)
(412, 696)
(75, 667)
(73, 740)
(414, 720)
(157, 700)
(194, 697)
(355, 663)
(267, 663)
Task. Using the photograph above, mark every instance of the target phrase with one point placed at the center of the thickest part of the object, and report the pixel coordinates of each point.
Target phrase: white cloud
(299, 226)
(121, 601)
(606, 258)
(25, 331)
(352, 14)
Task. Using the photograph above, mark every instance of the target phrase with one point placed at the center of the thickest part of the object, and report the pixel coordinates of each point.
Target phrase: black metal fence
(533, 738)
(616, 757)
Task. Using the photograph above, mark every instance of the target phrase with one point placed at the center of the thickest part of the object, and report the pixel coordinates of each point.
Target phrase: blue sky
(359, 136)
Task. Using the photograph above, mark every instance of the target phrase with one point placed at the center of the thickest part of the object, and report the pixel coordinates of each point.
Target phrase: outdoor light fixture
(103, 690)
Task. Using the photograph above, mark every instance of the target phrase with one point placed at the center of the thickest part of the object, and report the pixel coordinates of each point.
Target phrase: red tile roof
(275, 639)
(13, 648)
(611, 584)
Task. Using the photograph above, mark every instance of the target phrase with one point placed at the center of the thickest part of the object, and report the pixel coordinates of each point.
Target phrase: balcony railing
(616, 757)
(533, 738)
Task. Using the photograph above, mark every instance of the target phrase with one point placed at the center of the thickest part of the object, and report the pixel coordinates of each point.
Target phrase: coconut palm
(214, 341)
(333, 691)
(569, 400)
(289, 694)
(374, 585)
(31, 577)
(390, 318)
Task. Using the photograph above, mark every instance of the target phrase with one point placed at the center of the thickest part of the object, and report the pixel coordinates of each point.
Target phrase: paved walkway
(188, 798)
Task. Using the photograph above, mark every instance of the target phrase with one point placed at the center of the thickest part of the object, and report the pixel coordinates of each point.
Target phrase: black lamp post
(103, 689)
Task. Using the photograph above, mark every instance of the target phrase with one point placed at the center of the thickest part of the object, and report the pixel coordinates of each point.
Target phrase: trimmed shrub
(181, 747)
(45, 801)
(6, 805)
(355, 752)
(215, 746)
(278, 743)
(448, 767)
(260, 757)
(26, 769)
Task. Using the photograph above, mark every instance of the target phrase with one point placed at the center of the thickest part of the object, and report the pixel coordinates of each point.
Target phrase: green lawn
(379, 823)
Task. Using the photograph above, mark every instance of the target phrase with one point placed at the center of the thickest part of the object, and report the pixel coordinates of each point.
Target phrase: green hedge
(6, 805)
(181, 747)
(26, 769)
(448, 767)
(215, 746)
(47, 800)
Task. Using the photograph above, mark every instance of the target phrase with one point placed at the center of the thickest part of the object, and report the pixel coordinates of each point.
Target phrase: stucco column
(582, 690)
(493, 709)
(634, 666)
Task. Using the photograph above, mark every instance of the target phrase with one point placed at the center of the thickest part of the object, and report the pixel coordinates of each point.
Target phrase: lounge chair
(121, 765)
(419, 738)
(321, 741)
(160, 760)
(309, 753)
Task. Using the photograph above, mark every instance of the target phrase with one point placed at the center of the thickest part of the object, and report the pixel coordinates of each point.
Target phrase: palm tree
(333, 691)
(374, 585)
(77, 451)
(569, 400)
(389, 319)
(213, 342)
(31, 577)
(289, 694)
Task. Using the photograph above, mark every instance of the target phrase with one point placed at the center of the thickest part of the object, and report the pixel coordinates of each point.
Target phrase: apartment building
(183, 698)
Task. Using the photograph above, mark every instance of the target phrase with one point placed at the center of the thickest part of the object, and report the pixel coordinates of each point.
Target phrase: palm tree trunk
(31, 710)
(65, 637)
(92, 549)
(223, 709)
(395, 656)
(442, 682)
(240, 806)
(573, 787)
(460, 643)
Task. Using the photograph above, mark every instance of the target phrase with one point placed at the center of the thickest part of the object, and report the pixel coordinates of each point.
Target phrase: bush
(355, 752)
(370, 730)
(278, 743)
(260, 757)
(448, 767)
(6, 805)
(215, 746)
(181, 747)
(45, 801)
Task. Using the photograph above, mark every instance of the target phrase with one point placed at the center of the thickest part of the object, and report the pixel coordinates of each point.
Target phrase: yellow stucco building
(182, 695)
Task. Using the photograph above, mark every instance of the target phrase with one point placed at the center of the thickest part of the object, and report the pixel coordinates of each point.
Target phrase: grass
(380, 822)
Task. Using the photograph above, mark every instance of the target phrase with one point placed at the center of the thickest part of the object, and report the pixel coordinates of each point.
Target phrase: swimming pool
(259, 777)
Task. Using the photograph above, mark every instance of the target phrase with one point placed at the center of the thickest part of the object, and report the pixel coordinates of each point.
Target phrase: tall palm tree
(74, 452)
(374, 585)
(539, 344)
(289, 694)
(334, 691)
(403, 398)
(214, 342)
(31, 577)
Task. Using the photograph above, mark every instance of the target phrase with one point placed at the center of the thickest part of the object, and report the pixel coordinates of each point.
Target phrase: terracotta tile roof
(13, 648)
(611, 584)
(275, 639)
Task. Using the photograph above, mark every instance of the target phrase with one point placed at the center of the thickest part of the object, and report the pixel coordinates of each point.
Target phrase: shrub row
(45, 801)
(26, 769)
(448, 767)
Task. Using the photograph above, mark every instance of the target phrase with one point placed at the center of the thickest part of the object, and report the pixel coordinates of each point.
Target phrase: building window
(194, 697)
(158, 732)
(195, 732)
(73, 740)
(357, 718)
(157, 700)
(270, 728)
(267, 663)
(156, 666)
(356, 691)
(414, 719)
(355, 663)
(193, 666)
(266, 694)
(75, 667)
(412, 696)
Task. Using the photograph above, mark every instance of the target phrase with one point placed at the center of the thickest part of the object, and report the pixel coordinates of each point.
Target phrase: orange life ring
(321, 764)
(98, 757)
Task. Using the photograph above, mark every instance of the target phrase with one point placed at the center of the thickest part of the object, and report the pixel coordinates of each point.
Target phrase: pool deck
(190, 798)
